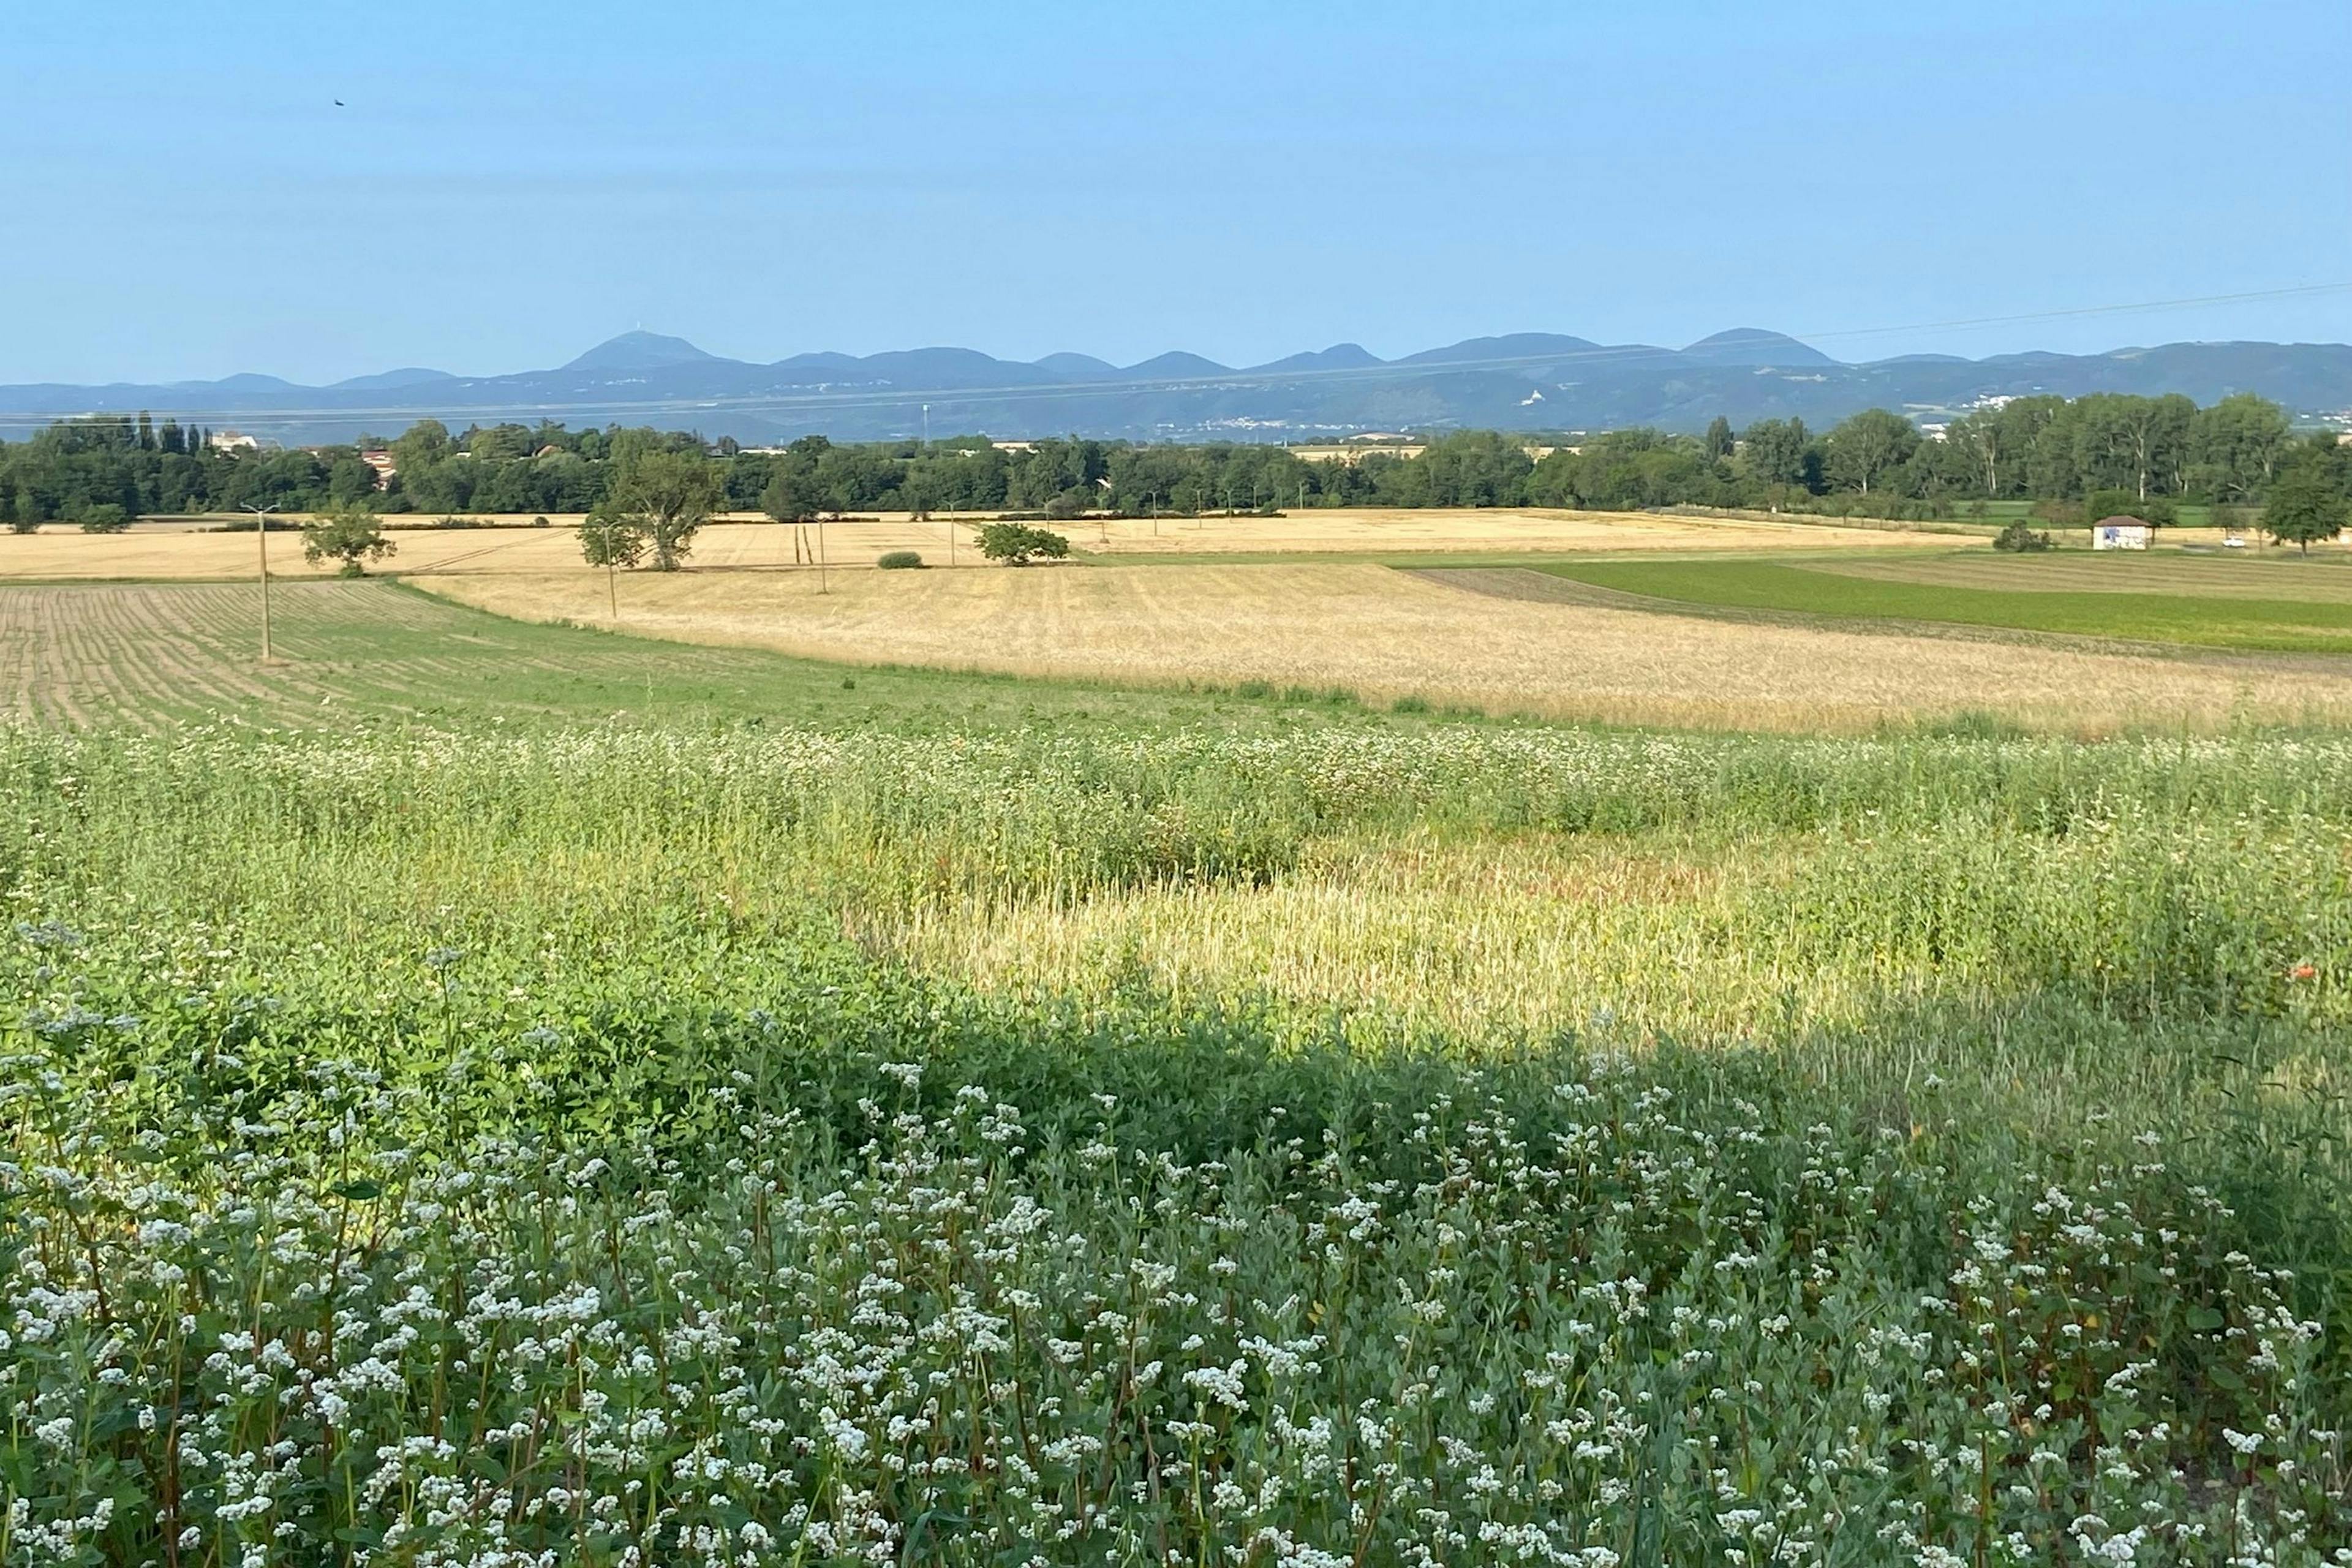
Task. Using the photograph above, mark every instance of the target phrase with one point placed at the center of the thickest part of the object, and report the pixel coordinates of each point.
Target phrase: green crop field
(487, 1094)
(2304, 612)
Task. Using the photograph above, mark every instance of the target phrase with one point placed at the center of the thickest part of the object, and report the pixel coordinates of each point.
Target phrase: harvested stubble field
(1388, 635)
(154, 655)
(141, 655)
(183, 554)
(179, 551)
(1506, 530)
(180, 555)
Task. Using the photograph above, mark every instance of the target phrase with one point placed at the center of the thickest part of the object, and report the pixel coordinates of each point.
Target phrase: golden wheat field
(1374, 530)
(184, 551)
(1388, 635)
(178, 554)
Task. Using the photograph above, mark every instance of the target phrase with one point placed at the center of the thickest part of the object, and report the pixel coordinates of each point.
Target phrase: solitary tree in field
(667, 497)
(1018, 543)
(351, 537)
(2305, 505)
(610, 541)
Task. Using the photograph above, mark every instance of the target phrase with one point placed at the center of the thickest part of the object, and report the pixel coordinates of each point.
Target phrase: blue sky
(508, 185)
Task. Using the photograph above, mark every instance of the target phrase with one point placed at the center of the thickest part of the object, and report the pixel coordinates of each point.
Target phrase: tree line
(2144, 454)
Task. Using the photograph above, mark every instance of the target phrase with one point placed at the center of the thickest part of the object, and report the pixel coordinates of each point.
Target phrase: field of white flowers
(497, 1149)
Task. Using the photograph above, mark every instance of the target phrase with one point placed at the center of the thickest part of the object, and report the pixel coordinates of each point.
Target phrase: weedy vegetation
(1334, 1143)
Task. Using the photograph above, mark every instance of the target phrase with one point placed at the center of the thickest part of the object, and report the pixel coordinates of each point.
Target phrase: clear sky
(509, 184)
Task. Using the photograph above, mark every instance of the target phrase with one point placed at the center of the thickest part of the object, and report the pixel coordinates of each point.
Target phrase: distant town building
(381, 461)
(1350, 456)
(233, 441)
(2120, 533)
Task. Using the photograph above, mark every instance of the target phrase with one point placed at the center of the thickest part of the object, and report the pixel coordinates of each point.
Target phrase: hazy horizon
(498, 191)
(587, 349)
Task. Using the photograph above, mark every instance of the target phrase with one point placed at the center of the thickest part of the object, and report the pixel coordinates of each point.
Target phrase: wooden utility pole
(261, 532)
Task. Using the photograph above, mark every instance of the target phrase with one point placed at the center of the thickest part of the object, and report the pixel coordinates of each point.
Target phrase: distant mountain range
(1527, 381)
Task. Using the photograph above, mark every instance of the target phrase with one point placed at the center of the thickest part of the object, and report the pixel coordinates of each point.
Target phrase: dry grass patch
(1531, 529)
(1469, 940)
(1389, 635)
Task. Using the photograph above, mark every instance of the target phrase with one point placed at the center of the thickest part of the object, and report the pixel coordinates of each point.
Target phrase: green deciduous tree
(791, 496)
(610, 541)
(1867, 448)
(2157, 511)
(1018, 543)
(1719, 440)
(1776, 452)
(421, 445)
(2135, 444)
(1468, 467)
(2235, 446)
(353, 537)
(667, 497)
(1980, 441)
(2306, 504)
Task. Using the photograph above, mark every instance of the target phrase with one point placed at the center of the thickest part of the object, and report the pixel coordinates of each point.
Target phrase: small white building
(2120, 533)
